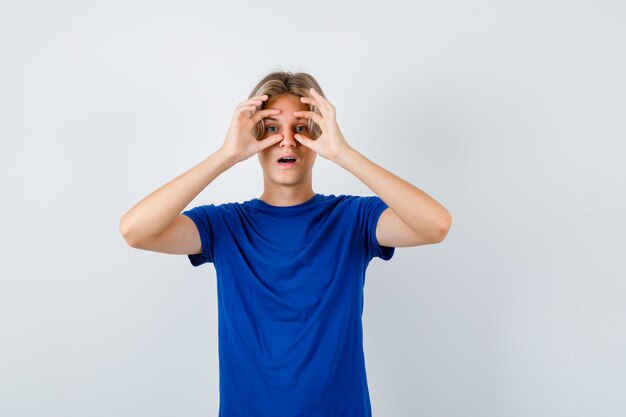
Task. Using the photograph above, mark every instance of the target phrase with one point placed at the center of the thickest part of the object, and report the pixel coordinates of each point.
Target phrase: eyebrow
(271, 118)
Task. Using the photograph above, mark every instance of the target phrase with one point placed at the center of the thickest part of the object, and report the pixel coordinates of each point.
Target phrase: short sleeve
(205, 217)
(370, 209)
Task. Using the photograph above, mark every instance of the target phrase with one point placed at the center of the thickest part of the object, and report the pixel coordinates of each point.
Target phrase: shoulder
(214, 210)
(363, 209)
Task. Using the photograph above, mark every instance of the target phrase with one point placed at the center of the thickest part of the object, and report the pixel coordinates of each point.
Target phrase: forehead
(286, 101)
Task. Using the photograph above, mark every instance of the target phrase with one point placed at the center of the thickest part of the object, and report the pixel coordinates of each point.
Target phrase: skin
(412, 218)
(286, 187)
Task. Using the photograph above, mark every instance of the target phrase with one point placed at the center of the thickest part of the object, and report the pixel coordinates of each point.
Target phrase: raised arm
(151, 216)
(412, 218)
(155, 223)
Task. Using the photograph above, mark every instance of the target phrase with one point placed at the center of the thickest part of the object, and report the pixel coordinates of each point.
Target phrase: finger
(309, 100)
(321, 106)
(248, 109)
(260, 114)
(251, 107)
(309, 115)
(316, 104)
(247, 102)
(320, 97)
(305, 140)
(259, 99)
(269, 141)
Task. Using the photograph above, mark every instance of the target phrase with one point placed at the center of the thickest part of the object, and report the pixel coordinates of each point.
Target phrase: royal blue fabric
(290, 302)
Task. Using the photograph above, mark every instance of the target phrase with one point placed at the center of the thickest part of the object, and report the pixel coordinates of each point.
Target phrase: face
(285, 123)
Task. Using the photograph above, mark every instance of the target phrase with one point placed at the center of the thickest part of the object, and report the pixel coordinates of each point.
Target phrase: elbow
(444, 227)
(127, 234)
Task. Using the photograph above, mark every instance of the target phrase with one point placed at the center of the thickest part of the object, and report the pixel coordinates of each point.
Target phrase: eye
(270, 127)
(302, 126)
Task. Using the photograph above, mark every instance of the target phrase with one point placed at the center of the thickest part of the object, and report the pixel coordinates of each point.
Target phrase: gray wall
(510, 115)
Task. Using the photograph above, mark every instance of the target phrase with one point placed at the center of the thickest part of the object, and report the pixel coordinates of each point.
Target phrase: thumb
(269, 141)
(304, 140)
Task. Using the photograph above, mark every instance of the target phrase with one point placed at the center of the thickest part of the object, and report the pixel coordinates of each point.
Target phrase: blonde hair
(285, 82)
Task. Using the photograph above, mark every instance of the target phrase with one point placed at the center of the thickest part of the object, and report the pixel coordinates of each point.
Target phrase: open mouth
(287, 162)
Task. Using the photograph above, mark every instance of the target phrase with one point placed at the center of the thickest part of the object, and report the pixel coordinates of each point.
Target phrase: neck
(286, 196)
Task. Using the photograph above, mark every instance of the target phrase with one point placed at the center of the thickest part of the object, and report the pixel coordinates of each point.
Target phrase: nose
(288, 139)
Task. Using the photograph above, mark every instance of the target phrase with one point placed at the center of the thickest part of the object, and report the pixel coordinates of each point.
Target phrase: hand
(240, 144)
(331, 143)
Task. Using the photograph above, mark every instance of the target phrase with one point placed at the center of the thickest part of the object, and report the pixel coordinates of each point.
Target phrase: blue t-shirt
(290, 301)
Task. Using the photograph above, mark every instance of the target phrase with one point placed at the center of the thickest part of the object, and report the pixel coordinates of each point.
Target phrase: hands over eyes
(331, 143)
(240, 143)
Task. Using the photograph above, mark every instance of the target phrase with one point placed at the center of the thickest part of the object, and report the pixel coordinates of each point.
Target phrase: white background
(510, 114)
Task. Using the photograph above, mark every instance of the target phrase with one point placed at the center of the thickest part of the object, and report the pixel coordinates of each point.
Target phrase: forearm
(416, 208)
(152, 215)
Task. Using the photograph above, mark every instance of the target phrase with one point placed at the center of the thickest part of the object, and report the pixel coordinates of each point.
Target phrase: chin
(284, 181)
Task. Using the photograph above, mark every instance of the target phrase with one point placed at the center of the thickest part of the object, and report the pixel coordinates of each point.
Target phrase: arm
(152, 215)
(152, 223)
(413, 217)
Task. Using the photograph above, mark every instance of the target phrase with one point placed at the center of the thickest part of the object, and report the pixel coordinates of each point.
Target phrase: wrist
(343, 155)
(225, 158)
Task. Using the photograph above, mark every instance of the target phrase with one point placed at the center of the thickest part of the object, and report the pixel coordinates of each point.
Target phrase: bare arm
(152, 215)
(152, 223)
(412, 217)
